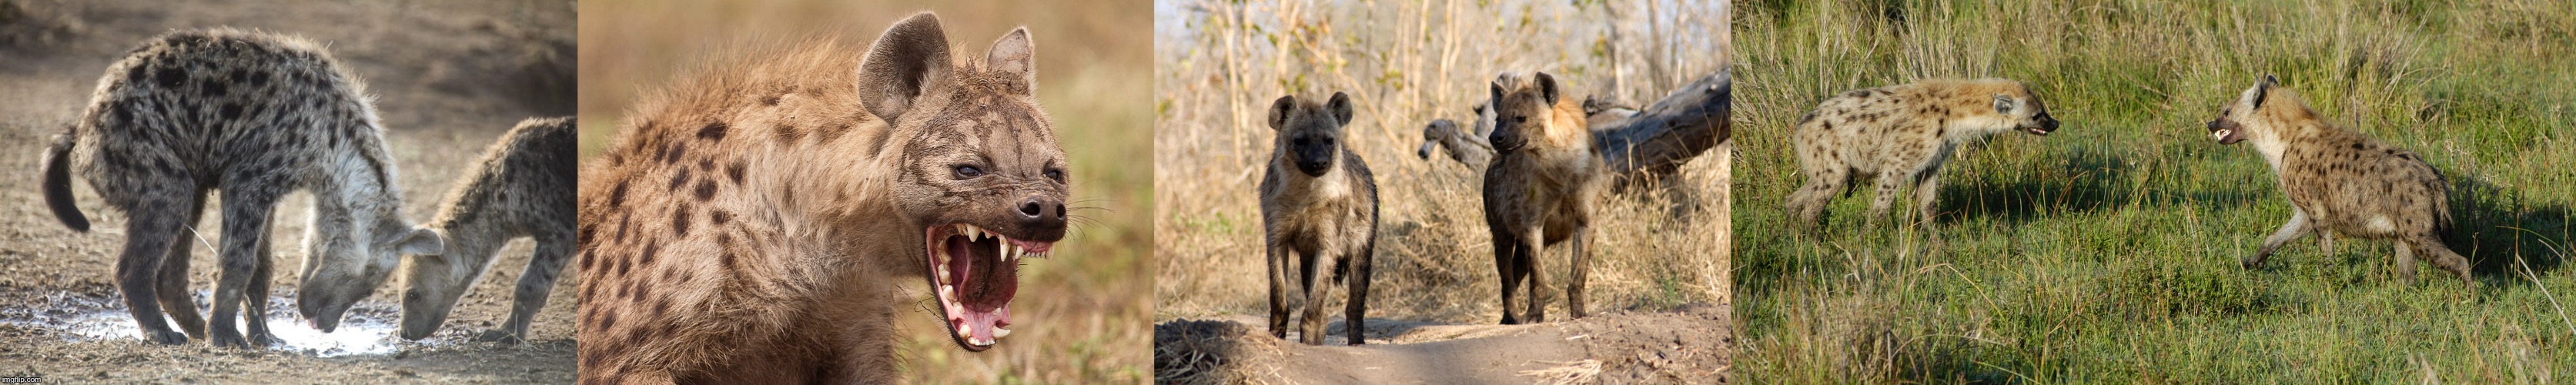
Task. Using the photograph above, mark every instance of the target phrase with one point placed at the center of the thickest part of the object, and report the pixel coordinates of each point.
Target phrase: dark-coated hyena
(1540, 189)
(2340, 182)
(256, 116)
(1900, 135)
(522, 187)
(1318, 213)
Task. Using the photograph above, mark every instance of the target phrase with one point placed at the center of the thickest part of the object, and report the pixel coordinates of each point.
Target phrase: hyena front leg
(1507, 261)
(149, 235)
(255, 302)
(1888, 182)
(1926, 190)
(173, 286)
(1355, 311)
(1534, 243)
(1582, 265)
(535, 283)
(2297, 227)
(2405, 259)
(1279, 291)
(1318, 276)
(246, 212)
(1808, 203)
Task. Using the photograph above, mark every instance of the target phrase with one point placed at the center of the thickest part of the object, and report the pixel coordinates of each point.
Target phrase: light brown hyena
(256, 116)
(756, 223)
(1900, 135)
(1472, 148)
(522, 187)
(2340, 182)
(1318, 214)
(1540, 188)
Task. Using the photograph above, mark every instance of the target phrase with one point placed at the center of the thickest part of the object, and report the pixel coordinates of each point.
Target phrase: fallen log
(1633, 144)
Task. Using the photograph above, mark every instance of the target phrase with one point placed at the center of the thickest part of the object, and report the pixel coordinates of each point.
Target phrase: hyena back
(1540, 188)
(755, 223)
(521, 187)
(2341, 182)
(255, 116)
(1319, 213)
(1901, 135)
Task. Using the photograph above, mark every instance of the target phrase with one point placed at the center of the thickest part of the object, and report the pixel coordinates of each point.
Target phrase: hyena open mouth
(975, 272)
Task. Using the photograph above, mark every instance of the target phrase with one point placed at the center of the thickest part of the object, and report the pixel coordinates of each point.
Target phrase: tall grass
(2108, 251)
(1406, 63)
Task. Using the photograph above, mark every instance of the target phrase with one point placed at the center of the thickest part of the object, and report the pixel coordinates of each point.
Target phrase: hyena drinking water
(757, 223)
(521, 188)
(2340, 182)
(255, 116)
(1318, 214)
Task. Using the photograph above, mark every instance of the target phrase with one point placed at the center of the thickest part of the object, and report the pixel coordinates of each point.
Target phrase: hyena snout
(2226, 131)
(1041, 212)
(1314, 156)
(2047, 123)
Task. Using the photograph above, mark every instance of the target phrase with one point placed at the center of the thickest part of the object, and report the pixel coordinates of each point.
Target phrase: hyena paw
(226, 339)
(503, 337)
(166, 337)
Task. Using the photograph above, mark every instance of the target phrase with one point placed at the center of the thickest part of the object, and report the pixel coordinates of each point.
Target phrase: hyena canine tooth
(759, 222)
(522, 187)
(1901, 135)
(1318, 214)
(255, 116)
(1539, 190)
(2340, 182)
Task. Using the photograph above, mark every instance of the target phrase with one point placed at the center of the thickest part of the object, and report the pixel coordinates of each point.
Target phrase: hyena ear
(1341, 107)
(422, 241)
(1547, 87)
(1497, 95)
(1279, 111)
(910, 60)
(1010, 57)
(2264, 89)
(2003, 104)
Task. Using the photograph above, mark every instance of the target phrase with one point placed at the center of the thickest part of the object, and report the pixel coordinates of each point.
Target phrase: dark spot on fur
(787, 134)
(713, 130)
(134, 75)
(680, 221)
(624, 265)
(720, 217)
(617, 195)
(608, 320)
(587, 257)
(706, 190)
(734, 171)
(707, 164)
(650, 248)
(170, 76)
(835, 131)
(771, 100)
(678, 178)
(232, 110)
(211, 89)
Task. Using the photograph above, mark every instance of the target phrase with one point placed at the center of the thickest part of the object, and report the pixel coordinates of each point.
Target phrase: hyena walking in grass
(522, 187)
(756, 223)
(1318, 214)
(2340, 182)
(256, 116)
(1901, 135)
(1540, 189)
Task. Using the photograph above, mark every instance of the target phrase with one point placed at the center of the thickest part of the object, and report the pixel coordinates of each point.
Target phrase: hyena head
(2238, 119)
(348, 252)
(977, 167)
(1309, 134)
(1519, 102)
(2027, 113)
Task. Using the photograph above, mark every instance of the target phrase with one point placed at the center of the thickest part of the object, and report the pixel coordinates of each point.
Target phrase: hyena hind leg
(173, 280)
(1885, 199)
(1807, 205)
(1355, 310)
(535, 283)
(2442, 256)
(148, 239)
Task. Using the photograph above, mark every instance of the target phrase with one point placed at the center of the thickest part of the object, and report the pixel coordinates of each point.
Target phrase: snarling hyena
(2340, 182)
(1318, 214)
(1901, 135)
(1540, 188)
(256, 116)
(522, 187)
(755, 223)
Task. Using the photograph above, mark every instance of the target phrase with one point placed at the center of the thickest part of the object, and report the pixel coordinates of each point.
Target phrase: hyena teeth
(999, 332)
(947, 291)
(966, 330)
(2220, 134)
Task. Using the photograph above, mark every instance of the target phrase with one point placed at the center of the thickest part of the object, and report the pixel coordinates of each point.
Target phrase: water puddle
(369, 328)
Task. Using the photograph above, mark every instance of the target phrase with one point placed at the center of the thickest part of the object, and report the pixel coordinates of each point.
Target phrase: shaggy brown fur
(1540, 189)
(522, 187)
(2340, 182)
(756, 223)
(1901, 135)
(1318, 202)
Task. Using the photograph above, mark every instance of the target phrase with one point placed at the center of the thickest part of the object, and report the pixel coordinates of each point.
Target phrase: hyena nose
(1042, 212)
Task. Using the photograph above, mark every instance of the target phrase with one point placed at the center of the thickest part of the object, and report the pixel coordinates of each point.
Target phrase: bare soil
(1689, 345)
(449, 78)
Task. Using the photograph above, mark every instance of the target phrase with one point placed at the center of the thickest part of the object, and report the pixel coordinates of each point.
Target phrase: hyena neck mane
(2286, 119)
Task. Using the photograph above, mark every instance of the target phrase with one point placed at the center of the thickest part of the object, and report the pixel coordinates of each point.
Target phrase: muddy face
(347, 256)
(1310, 134)
(2030, 113)
(979, 172)
(2228, 128)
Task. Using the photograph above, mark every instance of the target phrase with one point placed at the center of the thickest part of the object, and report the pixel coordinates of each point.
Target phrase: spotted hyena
(1540, 189)
(521, 188)
(1900, 135)
(256, 116)
(2340, 182)
(756, 223)
(1318, 213)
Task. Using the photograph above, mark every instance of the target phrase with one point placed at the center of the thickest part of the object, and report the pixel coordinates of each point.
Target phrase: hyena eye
(1057, 175)
(1323, 141)
(1520, 119)
(968, 171)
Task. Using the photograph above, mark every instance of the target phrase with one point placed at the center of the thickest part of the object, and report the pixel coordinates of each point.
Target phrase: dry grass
(1086, 310)
(1406, 63)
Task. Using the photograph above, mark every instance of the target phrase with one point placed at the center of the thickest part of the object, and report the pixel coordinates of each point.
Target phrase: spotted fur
(2341, 182)
(1540, 189)
(1318, 214)
(1901, 135)
(522, 187)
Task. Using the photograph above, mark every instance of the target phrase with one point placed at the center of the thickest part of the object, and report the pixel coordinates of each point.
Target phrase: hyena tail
(58, 184)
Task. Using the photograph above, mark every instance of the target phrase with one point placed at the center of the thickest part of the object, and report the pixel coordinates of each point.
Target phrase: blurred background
(1090, 307)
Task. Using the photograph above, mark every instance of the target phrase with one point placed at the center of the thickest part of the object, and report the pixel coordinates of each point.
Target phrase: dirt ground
(449, 77)
(1681, 346)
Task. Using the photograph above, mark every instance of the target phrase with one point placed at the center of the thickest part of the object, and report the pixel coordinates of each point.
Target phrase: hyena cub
(256, 116)
(522, 187)
(1900, 135)
(1539, 189)
(1318, 202)
(2341, 182)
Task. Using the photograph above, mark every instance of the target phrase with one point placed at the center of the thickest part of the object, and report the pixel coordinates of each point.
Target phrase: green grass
(2107, 252)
